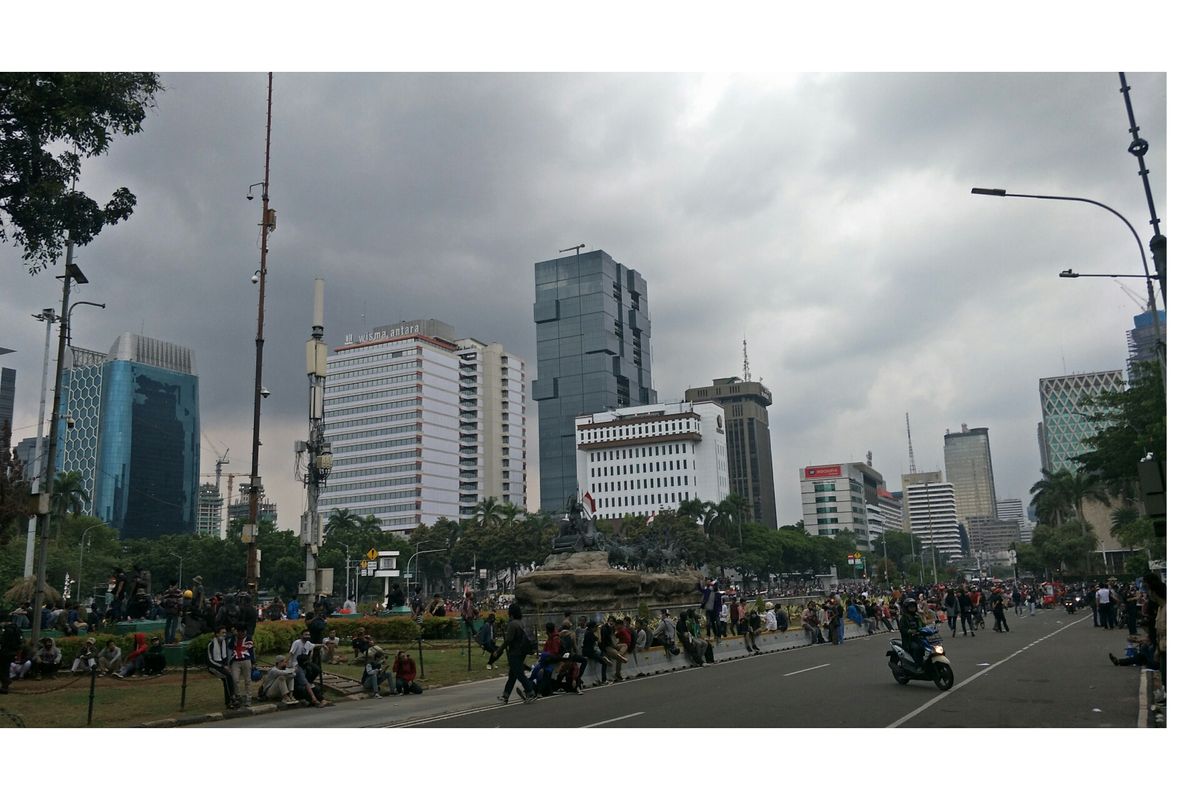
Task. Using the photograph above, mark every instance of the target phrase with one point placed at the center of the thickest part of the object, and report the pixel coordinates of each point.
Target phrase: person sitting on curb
(771, 622)
(136, 661)
(406, 673)
(155, 660)
(109, 660)
(754, 625)
(86, 660)
(781, 618)
(46, 660)
(218, 665)
(811, 620)
(1140, 653)
(21, 664)
(279, 682)
(592, 652)
(330, 644)
(612, 648)
(360, 643)
(374, 672)
(307, 674)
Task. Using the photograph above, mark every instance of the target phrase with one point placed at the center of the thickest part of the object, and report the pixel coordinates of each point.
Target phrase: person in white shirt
(278, 683)
(302, 646)
(330, 647)
(1104, 607)
(772, 623)
(350, 606)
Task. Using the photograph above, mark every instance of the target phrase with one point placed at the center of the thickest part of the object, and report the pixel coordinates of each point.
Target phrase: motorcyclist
(910, 631)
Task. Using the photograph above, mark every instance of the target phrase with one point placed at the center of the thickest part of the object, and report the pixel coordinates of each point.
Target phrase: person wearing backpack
(518, 645)
(485, 637)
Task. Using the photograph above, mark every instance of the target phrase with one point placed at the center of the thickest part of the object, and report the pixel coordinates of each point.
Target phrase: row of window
(337, 363)
(645, 483)
(824, 487)
(639, 429)
(336, 392)
(357, 423)
(358, 448)
(343, 437)
(641, 468)
(376, 497)
(368, 471)
(377, 510)
(356, 485)
(388, 369)
(397, 456)
(342, 400)
(641, 452)
(643, 500)
(342, 412)
(398, 522)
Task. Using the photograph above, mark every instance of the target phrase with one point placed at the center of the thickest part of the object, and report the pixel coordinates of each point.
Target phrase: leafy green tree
(69, 496)
(1067, 547)
(16, 503)
(49, 123)
(1129, 424)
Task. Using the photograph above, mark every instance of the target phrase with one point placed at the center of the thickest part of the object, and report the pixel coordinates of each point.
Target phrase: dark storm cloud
(826, 217)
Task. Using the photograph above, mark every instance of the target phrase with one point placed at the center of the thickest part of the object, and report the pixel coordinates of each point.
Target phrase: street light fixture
(1070, 273)
(79, 575)
(1153, 306)
(408, 571)
(180, 565)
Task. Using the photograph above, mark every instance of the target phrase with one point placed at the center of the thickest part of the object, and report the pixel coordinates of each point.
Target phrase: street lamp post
(408, 571)
(180, 566)
(79, 575)
(1160, 345)
(49, 317)
(71, 273)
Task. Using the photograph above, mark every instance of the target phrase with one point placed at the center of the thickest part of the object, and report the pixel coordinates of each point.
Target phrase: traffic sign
(372, 554)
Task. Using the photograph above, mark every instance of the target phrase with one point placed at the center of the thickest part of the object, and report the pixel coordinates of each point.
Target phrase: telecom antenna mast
(320, 454)
(912, 465)
(745, 361)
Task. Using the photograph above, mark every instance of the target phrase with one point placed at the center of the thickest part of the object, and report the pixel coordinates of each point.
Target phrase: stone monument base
(585, 581)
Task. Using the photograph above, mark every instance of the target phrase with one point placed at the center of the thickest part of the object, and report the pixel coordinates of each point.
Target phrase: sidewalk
(476, 694)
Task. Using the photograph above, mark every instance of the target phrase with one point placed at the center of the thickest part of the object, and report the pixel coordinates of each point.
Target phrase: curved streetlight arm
(417, 553)
(1161, 344)
(67, 319)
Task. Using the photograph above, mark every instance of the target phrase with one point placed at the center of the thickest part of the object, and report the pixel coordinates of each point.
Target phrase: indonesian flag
(650, 518)
(591, 502)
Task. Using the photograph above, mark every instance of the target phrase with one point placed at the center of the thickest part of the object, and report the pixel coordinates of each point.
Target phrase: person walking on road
(965, 612)
(1104, 616)
(998, 612)
(518, 646)
(950, 606)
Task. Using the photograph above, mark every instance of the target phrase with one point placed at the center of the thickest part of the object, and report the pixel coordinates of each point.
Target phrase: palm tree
(487, 512)
(1081, 486)
(69, 495)
(692, 510)
(343, 521)
(735, 508)
(1050, 498)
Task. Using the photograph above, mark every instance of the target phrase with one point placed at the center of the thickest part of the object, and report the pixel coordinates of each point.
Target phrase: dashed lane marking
(809, 669)
(614, 719)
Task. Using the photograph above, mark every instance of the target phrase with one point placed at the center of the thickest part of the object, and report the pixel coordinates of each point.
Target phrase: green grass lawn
(129, 702)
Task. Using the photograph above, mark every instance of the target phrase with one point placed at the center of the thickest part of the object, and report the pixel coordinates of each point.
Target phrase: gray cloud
(826, 217)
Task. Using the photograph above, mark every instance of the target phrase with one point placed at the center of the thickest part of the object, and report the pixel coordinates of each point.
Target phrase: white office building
(838, 497)
(1014, 509)
(492, 424)
(392, 416)
(645, 459)
(930, 512)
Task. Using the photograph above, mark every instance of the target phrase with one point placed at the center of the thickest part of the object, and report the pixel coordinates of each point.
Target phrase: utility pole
(49, 317)
(45, 496)
(1138, 148)
(250, 532)
(320, 455)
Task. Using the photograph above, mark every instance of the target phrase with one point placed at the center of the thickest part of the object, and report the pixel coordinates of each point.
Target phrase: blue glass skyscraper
(593, 349)
(136, 435)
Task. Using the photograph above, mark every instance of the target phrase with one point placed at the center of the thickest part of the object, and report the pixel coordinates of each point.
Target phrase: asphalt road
(1051, 670)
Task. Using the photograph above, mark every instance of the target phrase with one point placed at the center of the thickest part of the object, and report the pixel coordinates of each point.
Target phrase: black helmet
(910, 604)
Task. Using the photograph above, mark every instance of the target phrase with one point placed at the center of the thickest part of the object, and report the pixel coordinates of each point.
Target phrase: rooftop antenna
(745, 360)
(912, 464)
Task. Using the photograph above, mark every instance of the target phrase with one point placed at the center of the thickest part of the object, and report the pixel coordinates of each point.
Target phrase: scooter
(1071, 603)
(933, 667)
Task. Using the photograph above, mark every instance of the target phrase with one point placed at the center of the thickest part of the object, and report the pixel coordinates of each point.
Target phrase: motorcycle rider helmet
(910, 604)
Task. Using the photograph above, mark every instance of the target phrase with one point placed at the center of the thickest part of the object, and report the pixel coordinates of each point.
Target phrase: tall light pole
(1161, 345)
(71, 272)
(79, 575)
(250, 532)
(48, 316)
(413, 556)
(1138, 148)
(180, 565)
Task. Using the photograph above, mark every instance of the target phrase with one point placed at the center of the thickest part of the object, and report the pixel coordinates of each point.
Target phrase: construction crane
(1132, 296)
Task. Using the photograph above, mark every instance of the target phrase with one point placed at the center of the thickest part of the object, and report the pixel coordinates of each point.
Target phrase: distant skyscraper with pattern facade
(1064, 422)
(133, 434)
(593, 348)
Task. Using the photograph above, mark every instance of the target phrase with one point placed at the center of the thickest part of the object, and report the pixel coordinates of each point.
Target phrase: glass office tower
(593, 350)
(138, 439)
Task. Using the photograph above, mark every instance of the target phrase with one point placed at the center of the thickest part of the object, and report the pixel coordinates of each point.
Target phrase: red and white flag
(650, 518)
(591, 502)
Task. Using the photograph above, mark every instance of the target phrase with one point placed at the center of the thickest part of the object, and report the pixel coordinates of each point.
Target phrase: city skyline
(742, 227)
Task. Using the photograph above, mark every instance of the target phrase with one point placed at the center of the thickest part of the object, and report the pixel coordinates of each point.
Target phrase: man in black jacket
(910, 631)
(518, 645)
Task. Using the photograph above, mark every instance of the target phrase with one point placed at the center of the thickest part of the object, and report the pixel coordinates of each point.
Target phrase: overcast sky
(826, 218)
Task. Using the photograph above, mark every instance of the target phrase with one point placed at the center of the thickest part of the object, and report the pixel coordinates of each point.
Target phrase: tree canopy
(49, 123)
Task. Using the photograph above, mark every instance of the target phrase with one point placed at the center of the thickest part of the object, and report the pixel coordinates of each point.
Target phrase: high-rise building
(593, 348)
(1141, 338)
(129, 423)
(890, 511)
(969, 467)
(8, 397)
(1013, 509)
(645, 459)
(930, 512)
(1065, 424)
(837, 497)
(748, 434)
(208, 514)
(423, 425)
(988, 535)
(26, 451)
(239, 512)
(492, 424)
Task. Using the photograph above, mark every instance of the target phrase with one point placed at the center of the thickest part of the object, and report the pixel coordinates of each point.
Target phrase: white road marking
(1142, 709)
(943, 695)
(797, 672)
(615, 719)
